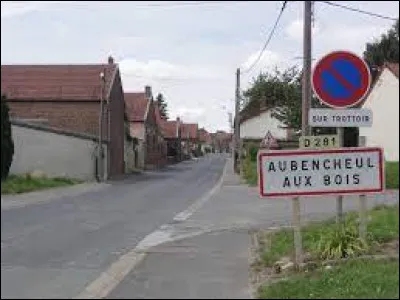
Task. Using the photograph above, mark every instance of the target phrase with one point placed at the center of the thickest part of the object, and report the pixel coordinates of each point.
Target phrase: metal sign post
(339, 199)
(363, 206)
(341, 80)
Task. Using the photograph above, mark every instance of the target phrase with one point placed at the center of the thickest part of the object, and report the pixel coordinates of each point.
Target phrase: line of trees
(163, 106)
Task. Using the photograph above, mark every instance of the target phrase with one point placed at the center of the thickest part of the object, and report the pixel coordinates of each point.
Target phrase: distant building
(221, 141)
(171, 131)
(189, 139)
(205, 140)
(150, 151)
(256, 120)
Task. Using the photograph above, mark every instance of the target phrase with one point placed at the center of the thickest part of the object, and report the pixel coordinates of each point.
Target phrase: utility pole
(100, 162)
(236, 139)
(305, 129)
(231, 131)
(306, 99)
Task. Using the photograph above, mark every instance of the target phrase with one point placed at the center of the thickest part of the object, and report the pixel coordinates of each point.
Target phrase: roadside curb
(43, 196)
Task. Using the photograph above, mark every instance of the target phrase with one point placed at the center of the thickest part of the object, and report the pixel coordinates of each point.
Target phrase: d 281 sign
(318, 172)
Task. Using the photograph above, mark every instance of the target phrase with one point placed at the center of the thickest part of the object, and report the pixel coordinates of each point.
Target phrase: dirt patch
(259, 273)
(390, 248)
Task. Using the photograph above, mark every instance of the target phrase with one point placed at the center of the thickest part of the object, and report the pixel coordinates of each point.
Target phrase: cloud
(295, 29)
(189, 53)
(17, 8)
(342, 37)
(188, 115)
(161, 70)
(268, 58)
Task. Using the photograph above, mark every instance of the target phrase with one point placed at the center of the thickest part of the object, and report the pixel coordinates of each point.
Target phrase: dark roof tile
(135, 106)
(55, 82)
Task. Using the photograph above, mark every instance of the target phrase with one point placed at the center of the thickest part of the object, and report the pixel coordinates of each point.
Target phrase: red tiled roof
(204, 136)
(168, 128)
(135, 106)
(55, 82)
(157, 111)
(189, 130)
(222, 135)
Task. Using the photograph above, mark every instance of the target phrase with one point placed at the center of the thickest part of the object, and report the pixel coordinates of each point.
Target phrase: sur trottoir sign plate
(353, 117)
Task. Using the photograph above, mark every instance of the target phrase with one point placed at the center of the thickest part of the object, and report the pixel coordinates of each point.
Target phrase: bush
(7, 144)
(341, 241)
(252, 150)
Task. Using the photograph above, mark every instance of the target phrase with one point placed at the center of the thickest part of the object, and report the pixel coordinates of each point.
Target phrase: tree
(7, 144)
(386, 49)
(162, 104)
(282, 93)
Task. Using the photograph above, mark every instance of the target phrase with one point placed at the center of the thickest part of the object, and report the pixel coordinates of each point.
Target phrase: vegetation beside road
(16, 184)
(362, 279)
(383, 226)
(323, 241)
(392, 175)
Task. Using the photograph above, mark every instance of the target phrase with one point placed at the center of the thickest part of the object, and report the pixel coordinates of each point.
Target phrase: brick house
(172, 135)
(141, 114)
(190, 138)
(221, 141)
(205, 140)
(68, 97)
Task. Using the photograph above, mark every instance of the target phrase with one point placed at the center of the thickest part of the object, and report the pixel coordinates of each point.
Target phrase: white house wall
(257, 127)
(384, 103)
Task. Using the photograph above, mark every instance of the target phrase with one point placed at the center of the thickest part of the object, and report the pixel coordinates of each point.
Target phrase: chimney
(110, 60)
(147, 91)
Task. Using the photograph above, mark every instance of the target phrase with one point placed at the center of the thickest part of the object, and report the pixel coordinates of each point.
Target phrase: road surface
(57, 248)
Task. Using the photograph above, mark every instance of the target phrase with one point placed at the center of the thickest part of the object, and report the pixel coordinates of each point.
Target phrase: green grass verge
(391, 174)
(15, 184)
(351, 280)
(250, 172)
(383, 226)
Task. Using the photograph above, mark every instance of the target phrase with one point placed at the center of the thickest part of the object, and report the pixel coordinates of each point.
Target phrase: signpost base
(363, 205)
(363, 218)
(339, 209)
(298, 256)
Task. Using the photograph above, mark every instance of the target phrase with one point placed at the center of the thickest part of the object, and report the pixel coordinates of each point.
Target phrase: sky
(188, 52)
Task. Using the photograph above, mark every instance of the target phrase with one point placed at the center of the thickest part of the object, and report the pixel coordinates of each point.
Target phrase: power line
(188, 3)
(359, 10)
(269, 38)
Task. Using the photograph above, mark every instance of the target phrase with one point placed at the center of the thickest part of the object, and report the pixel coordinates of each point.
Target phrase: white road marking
(184, 215)
(109, 279)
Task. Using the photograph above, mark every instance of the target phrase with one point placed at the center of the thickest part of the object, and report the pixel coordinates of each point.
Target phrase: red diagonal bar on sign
(342, 80)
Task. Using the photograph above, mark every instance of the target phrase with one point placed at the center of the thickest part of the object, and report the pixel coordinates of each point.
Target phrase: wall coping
(36, 126)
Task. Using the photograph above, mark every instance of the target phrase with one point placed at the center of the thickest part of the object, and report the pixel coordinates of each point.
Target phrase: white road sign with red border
(318, 172)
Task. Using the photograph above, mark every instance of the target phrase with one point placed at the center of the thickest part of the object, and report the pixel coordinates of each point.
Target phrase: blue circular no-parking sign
(341, 79)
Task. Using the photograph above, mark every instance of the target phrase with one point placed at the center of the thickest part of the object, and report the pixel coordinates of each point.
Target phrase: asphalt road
(55, 249)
